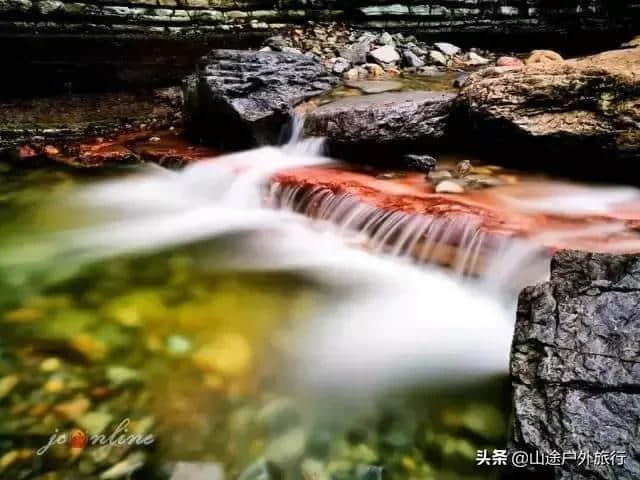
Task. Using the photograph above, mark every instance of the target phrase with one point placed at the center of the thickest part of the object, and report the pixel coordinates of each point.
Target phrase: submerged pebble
(124, 468)
(119, 375)
(74, 408)
(7, 384)
(229, 354)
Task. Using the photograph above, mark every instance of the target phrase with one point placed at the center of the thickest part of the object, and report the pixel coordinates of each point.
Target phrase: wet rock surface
(405, 119)
(240, 99)
(62, 126)
(583, 106)
(575, 364)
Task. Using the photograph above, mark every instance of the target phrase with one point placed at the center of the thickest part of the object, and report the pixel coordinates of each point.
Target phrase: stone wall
(187, 18)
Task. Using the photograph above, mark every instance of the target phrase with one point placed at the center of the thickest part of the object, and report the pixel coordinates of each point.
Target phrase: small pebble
(118, 375)
(178, 345)
(463, 168)
(50, 364)
(8, 459)
(73, 409)
(51, 150)
(449, 186)
(54, 385)
(94, 422)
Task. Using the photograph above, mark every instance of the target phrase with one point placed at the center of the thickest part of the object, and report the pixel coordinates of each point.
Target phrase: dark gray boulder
(386, 118)
(356, 54)
(380, 129)
(575, 366)
(241, 99)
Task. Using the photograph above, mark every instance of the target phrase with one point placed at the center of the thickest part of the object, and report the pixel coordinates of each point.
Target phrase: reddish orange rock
(496, 212)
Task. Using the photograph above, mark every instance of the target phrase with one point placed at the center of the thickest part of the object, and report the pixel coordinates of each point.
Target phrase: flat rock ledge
(241, 99)
(575, 365)
(578, 109)
(369, 123)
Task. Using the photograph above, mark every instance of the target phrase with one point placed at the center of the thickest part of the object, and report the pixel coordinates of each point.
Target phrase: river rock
(578, 108)
(239, 99)
(341, 65)
(421, 163)
(575, 365)
(449, 186)
(509, 62)
(385, 55)
(356, 53)
(386, 39)
(543, 56)
(461, 80)
(407, 118)
(411, 59)
(438, 57)
(447, 48)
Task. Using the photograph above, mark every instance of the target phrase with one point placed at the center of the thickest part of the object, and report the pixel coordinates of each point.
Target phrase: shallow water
(436, 83)
(195, 354)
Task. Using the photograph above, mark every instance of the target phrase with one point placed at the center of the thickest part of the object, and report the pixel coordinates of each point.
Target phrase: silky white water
(394, 323)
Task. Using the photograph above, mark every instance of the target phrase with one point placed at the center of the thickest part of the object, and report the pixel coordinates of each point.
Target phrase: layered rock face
(209, 17)
(241, 99)
(575, 366)
(587, 105)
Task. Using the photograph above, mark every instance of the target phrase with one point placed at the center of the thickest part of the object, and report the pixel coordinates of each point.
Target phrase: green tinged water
(195, 359)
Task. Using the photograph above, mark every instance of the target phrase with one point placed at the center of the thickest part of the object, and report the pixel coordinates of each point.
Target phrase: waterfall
(414, 325)
(393, 324)
(418, 238)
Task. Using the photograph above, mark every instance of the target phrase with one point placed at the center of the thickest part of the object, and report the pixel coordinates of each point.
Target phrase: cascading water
(407, 324)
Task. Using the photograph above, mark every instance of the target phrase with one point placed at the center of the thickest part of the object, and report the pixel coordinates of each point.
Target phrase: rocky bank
(579, 110)
(354, 53)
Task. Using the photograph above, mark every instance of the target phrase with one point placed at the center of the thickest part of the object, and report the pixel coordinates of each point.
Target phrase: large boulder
(240, 99)
(575, 367)
(577, 109)
(381, 122)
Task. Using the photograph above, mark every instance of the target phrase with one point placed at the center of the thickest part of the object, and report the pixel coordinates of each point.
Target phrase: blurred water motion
(256, 338)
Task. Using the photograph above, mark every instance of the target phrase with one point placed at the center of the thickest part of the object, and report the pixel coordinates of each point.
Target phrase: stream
(216, 311)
